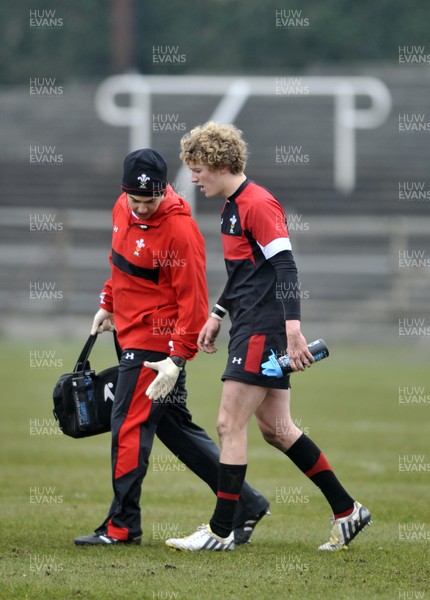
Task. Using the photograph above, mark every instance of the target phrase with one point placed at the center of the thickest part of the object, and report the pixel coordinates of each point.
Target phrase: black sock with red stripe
(311, 461)
(230, 482)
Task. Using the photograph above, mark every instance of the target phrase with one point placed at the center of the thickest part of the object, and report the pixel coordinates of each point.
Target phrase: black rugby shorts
(246, 354)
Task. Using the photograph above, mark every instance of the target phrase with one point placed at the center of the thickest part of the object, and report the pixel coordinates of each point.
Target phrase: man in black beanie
(144, 173)
(156, 298)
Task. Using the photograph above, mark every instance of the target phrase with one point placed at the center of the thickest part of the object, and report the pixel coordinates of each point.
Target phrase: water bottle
(279, 366)
(83, 395)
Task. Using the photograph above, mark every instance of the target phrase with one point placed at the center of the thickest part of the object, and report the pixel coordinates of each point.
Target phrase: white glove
(165, 381)
(103, 321)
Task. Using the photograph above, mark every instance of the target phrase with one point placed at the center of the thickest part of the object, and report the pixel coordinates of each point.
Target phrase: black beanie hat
(145, 173)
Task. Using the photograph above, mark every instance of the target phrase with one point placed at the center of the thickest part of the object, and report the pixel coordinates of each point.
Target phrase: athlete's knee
(268, 431)
(228, 428)
(279, 434)
(272, 438)
(223, 427)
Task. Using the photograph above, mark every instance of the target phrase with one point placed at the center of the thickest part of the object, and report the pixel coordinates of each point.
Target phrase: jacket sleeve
(106, 299)
(188, 280)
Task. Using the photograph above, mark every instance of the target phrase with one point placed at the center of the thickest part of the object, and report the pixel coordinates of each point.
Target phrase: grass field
(55, 488)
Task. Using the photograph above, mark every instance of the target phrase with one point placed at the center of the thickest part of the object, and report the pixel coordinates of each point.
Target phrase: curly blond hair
(215, 145)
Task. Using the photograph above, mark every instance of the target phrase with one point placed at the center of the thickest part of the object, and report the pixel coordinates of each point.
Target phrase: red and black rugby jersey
(254, 229)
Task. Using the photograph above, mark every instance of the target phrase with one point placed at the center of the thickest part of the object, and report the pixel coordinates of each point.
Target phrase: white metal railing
(234, 92)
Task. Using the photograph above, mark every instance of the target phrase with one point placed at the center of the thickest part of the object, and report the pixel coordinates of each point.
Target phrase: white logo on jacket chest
(139, 245)
(233, 222)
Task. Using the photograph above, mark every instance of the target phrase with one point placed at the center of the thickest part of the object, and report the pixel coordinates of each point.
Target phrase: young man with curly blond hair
(259, 263)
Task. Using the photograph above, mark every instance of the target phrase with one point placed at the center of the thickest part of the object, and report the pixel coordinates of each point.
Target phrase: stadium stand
(347, 246)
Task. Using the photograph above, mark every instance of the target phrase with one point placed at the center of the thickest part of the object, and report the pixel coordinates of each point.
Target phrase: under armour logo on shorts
(129, 355)
(237, 360)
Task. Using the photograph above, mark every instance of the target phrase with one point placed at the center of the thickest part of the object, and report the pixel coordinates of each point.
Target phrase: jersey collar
(239, 190)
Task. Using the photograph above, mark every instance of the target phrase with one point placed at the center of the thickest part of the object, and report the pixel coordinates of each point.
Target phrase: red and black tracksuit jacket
(157, 291)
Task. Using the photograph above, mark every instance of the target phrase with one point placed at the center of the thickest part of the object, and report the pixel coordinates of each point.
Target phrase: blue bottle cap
(271, 367)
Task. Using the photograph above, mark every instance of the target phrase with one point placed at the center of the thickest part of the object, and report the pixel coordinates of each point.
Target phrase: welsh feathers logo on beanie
(144, 173)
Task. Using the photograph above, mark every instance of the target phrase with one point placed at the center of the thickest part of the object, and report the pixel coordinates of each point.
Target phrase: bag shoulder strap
(81, 363)
(85, 354)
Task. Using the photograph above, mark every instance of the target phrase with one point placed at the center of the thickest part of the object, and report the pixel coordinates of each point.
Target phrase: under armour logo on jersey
(116, 228)
(108, 395)
(237, 360)
(129, 355)
(233, 222)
